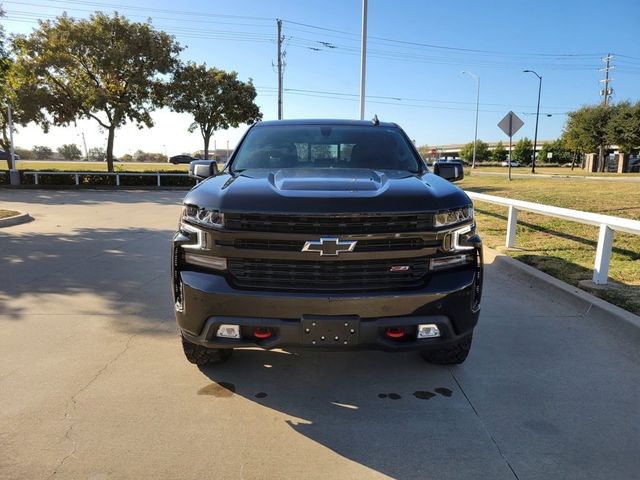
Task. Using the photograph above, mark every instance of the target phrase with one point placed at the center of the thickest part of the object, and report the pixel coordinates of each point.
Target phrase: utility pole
(280, 38)
(605, 92)
(363, 57)
(475, 135)
(14, 175)
(86, 153)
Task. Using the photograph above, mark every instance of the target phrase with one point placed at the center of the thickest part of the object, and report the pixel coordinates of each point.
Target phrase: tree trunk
(206, 146)
(112, 131)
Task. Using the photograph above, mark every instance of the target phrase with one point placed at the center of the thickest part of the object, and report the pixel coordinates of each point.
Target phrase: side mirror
(203, 169)
(452, 171)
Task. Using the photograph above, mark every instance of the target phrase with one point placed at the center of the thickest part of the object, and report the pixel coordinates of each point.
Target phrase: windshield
(325, 146)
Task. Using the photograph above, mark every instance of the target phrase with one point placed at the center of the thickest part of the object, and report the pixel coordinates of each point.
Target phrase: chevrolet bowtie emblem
(329, 246)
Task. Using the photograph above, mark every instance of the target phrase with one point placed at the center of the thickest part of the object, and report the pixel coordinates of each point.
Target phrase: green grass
(559, 247)
(559, 171)
(95, 167)
(7, 213)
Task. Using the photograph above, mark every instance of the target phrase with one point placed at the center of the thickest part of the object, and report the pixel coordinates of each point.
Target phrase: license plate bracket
(320, 331)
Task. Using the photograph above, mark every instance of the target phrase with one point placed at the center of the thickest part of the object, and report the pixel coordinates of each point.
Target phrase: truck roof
(324, 121)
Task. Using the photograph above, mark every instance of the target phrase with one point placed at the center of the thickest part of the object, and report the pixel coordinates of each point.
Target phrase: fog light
(440, 263)
(228, 331)
(208, 261)
(428, 330)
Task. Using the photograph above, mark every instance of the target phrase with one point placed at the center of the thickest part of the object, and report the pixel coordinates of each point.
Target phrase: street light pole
(535, 135)
(475, 135)
(363, 57)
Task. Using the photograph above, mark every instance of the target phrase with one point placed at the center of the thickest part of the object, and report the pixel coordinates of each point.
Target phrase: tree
(499, 153)
(558, 149)
(586, 130)
(623, 127)
(142, 156)
(70, 151)
(105, 68)
(21, 116)
(96, 154)
(482, 152)
(42, 152)
(215, 98)
(522, 151)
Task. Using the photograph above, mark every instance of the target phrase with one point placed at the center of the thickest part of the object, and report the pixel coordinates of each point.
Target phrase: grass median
(563, 248)
(556, 171)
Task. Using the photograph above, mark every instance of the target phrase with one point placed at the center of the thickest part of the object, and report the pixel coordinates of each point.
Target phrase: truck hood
(328, 191)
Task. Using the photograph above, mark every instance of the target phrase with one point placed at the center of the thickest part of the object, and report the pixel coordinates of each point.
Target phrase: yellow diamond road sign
(510, 124)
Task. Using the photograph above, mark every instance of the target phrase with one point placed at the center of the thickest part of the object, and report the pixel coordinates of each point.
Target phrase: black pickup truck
(327, 234)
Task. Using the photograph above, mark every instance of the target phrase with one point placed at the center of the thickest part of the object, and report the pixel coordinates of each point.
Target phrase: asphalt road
(93, 383)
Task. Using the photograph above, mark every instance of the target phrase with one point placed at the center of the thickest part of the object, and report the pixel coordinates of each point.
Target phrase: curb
(15, 220)
(592, 305)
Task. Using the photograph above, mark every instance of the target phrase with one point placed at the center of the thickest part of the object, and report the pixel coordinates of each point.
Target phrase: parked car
(176, 159)
(634, 165)
(513, 164)
(7, 155)
(326, 234)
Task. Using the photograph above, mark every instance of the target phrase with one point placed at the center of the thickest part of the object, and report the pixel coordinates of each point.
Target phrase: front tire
(453, 354)
(199, 355)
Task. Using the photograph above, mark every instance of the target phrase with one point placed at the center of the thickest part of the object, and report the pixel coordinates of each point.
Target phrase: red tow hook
(261, 333)
(395, 333)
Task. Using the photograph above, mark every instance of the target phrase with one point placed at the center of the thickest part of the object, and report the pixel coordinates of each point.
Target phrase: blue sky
(417, 50)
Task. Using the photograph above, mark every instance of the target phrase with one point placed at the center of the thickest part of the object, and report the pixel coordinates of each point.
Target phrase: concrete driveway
(93, 383)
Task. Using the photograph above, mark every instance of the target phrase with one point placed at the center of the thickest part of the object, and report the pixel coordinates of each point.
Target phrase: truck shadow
(388, 412)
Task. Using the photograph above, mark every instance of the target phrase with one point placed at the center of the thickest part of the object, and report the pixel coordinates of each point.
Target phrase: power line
(159, 10)
(401, 99)
(444, 47)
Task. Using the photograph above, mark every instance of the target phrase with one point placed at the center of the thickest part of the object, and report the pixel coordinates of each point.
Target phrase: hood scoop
(334, 180)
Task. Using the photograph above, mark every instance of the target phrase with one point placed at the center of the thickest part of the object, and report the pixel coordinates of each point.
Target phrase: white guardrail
(608, 224)
(158, 176)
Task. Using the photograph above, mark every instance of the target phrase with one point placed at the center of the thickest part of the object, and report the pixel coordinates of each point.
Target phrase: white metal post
(603, 255)
(117, 179)
(512, 222)
(158, 179)
(77, 180)
(363, 57)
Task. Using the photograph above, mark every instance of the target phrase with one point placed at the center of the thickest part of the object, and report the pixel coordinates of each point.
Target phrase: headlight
(451, 217)
(206, 217)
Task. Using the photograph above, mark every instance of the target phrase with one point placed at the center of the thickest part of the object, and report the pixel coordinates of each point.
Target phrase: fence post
(77, 180)
(117, 179)
(512, 221)
(603, 255)
(35, 178)
(158, 179)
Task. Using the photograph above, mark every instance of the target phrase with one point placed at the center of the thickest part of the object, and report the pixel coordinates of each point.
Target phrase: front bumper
(447, 300)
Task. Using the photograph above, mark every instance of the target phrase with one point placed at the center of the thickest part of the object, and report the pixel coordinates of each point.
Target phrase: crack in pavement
(71, 406)
(484, 426)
